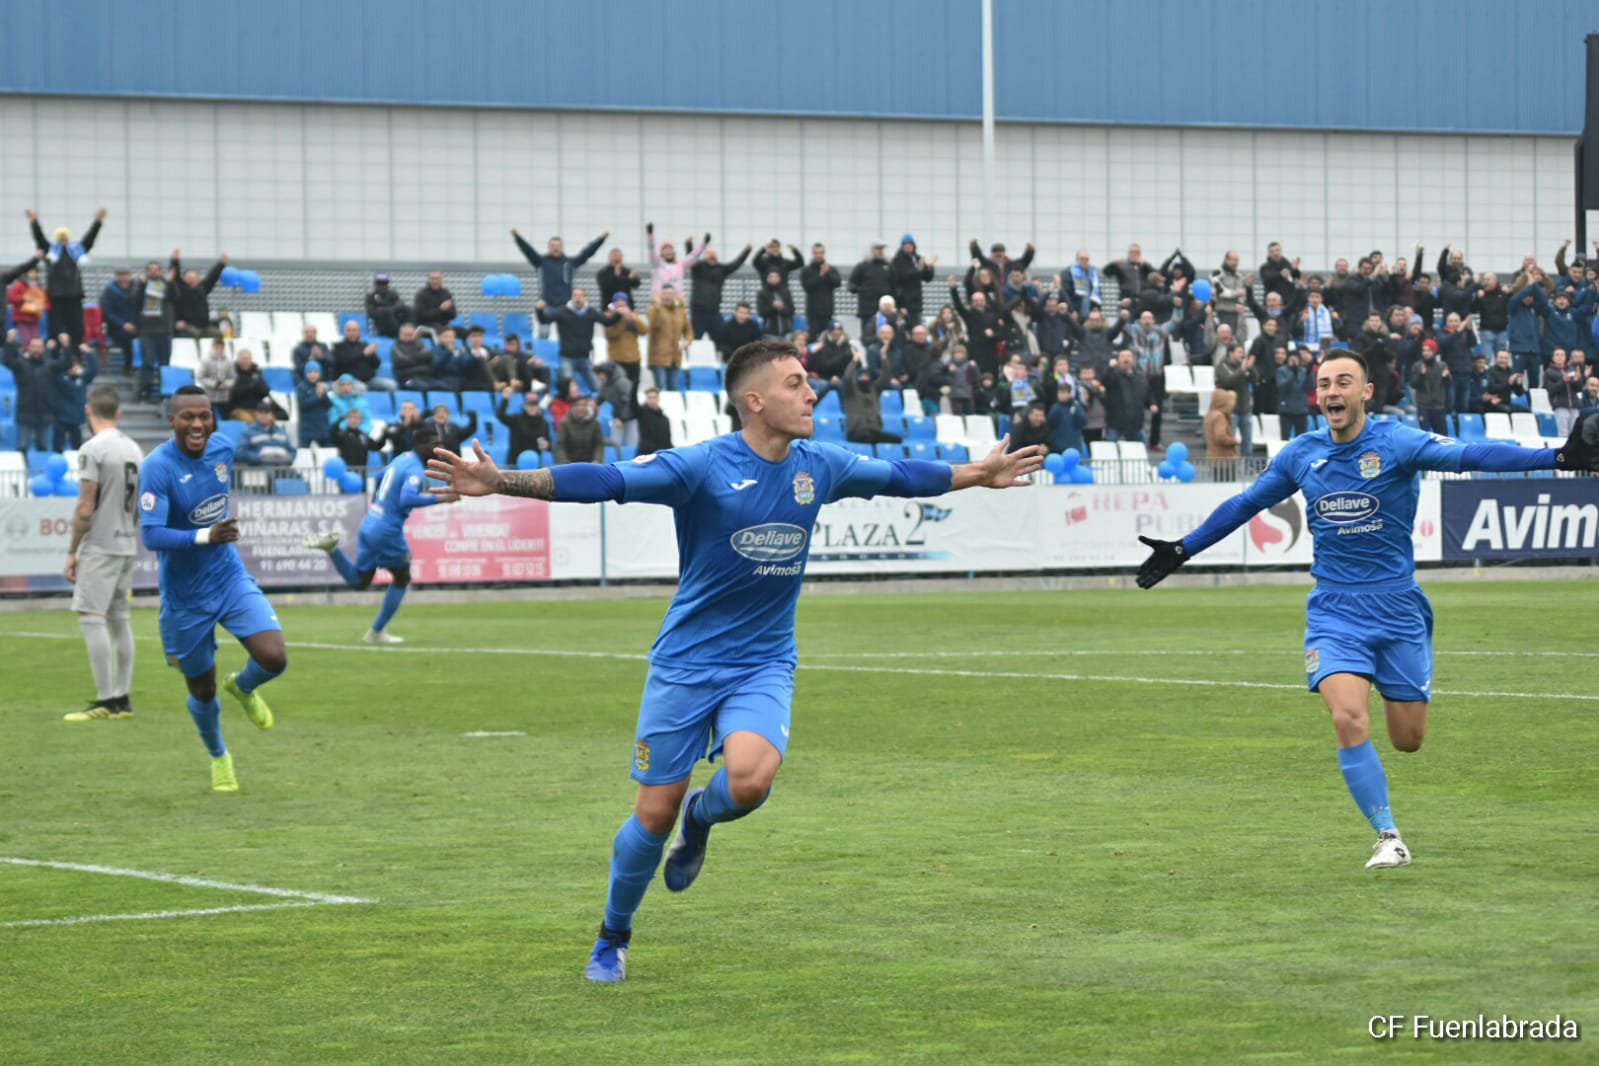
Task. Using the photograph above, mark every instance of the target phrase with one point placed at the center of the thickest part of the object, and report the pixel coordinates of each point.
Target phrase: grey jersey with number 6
(111, 458)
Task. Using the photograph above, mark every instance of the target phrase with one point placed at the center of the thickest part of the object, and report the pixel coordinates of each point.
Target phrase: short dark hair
(509, 337)
(1350, 354)
(189, 390)
(745, 304)
(423, 436)
(103, 401)
(754, 355)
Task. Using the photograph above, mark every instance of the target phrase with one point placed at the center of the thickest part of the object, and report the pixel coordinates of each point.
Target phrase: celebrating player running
(721, 674)
(1366, 620)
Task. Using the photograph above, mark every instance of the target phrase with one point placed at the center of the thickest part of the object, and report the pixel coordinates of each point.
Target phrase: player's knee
(273, 662)
(402, 578)
(365, 579)
(1407, 743)
(657, 812)
(205, 691)
(749, 788)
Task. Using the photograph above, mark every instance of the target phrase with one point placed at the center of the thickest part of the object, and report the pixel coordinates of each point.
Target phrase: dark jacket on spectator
(575, 327)
(870, 281)
(314, 408)
(1526, 321)
(1238, 378)
(526, 429)
(984, 330)
(1126, 399)
(1457, 298)
(1095, 347)
(1493, 309)
(830, 360)
(350, 357)
(1563, 329)
(249, 389)
(862, 413)
(72, 390)
(654, 430)
(820, 289)
(35, 385)
(765, 262)
(1428, 386)
(117, 308)
(386, 311)
(775, 305)
(580, 440)
(612, 281)
(708, 281)
(353, 445)
(1281, 277)
(62, 279)
(1130, 279)
(190, 303)
(1456, 349)
(735, 335)
(556, 272)
(913, 360)
(1293, 389)
(428, 309)
(1066, 422)
(907, 280)
(153, 299)
(453, 434)
(1501, 385)
(1051, 331)
(412, 360)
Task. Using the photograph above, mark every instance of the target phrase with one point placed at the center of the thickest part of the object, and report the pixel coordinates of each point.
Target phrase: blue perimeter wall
(1460, 65)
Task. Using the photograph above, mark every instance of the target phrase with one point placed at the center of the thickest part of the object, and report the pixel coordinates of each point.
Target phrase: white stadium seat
(327, 325)
(1496, 424)
(1538, 399)
(1204, 380)
(1524, 428)
(980, 434)
(255, 324)
(1179, 379)
(700, 404)
(950, 428)
(672, 405)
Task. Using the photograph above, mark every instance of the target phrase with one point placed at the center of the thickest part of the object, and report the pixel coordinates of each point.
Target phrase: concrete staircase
(144, 422)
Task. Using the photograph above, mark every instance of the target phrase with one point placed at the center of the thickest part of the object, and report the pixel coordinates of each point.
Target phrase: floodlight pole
(988, 121)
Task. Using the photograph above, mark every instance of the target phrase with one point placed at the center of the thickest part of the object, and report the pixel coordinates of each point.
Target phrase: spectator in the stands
(120, 315)
(1272, 337)
(1127, 401)
(1150, 339)
(1266, 400)
(771, 258)
(907, 271)
(1505, 383)
(1220, 441)
(34, 370)
(153, 298)
(1318, 326)
(1030, 426)
(1563, 327)
(1295, 378)
(308, 349)
(615, 277)
(1373, 345)
(947, 330)
(1216, 339)
(616, 389)
(518, 369)
(1528, 307)
(346, 396)
(530, 430)
(451, 363)
(397, 434)
(191, 303)
(963, 381)
(1277, 275)
(1456, 343)
(1023, 385)
(1049, 327)
(351, 440)
(475, 373)
(915, 355)
(433, 306)
(1227, 293)
(820, 280)
(1129, 273)
(1491, 303)
(384, 308)
(997, 262)
(666, 269)
(1590, 395)
(863, 416)
(830, 359)
(557, 271)
(1066, 420)
(670, 333)
(216, 377)
(1092, 393)
(266, 443)
(28, 302)
(654, 428)
(1275, 307)
(983, 327)
(1080, 285)
(453, 434)
(316, 407)
(63, 281)
(580, 438)
(412, 359)
(1451, 264)
(1096, 341)
(358, 358)
(575, 321)
(1238, 373)
(870, 281)
(710, 274)
(622, 341)
(737, 331)
(1431, 389)
(1565, 384)
(776, 305)
(249, 390)
(880, 355)
(1477, 381)
(77, 369)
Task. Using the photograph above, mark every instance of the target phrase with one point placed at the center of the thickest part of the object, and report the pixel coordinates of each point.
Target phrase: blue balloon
(352, 482)
(56, 467)
(1177, 453)
(491, 285)
(1166, 469)
(1201, 291)
(1082, 475)
(1055, 464)
(1185, 472)
(66, 488)
(510, 285)
(230, 276)
(41, 485)
(1070, 458)
(528, 460)
(335, 467)
(249, 281)
(1060, 477)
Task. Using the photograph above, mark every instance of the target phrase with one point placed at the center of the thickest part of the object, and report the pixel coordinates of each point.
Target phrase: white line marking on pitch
(297, 897)
(412, 649)
(495, 733)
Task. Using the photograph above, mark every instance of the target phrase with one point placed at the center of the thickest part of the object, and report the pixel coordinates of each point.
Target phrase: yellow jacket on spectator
(669, 331)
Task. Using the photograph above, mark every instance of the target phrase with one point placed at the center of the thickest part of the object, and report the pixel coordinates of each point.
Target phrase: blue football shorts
(189, 637)
(687, 713)
(1384, 634)
(381, 547)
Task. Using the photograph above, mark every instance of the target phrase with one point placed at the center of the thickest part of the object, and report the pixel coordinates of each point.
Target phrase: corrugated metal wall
(1457, 65)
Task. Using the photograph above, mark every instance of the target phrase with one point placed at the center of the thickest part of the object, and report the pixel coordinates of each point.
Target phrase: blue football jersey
(743, 535)
(1360, 497)
(402, 488)
(181, 492)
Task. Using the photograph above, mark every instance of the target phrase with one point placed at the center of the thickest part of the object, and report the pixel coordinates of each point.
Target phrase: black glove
(1165, 556)
(1581, 450)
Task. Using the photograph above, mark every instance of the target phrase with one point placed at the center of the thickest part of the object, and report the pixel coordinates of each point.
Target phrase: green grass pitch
(1003, 835)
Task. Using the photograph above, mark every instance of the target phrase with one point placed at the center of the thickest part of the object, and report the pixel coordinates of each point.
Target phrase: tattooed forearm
(533, 484)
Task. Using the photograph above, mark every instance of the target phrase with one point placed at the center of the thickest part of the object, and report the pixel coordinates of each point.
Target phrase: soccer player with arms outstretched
(721, 674)
(183, 505)
(382, 544)
(1367, 621)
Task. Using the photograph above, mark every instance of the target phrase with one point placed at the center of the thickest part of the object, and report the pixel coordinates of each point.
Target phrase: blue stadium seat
(606, 413)
(37, 460)
(410, 394)
(8, 380)
(801, 324)
(830, 405)
(922, 449)
(499, 449)
(281, 378)
(374, 463)
(920, 427)
(291, 486)
(829, 427)
(547, 349)
(1469, 426)
(358, 317)
(954, 453)
(888, 451)
(629, 453)
(890, 402)
(1002, 424)
(448, 399)
(8, 436)
(520, 324)
(385, 347)
(233, 429)
(1412, 421)
(612, 454)
(894, 424)
(860, 449)
(481, 402)
(381, 404)
(175, 377)
(704, 379)
(488, 320)
(459, 324)
(1317, 422)
(1547, 425)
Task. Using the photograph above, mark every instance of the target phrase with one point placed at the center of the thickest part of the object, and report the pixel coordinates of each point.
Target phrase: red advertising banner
(481, 540)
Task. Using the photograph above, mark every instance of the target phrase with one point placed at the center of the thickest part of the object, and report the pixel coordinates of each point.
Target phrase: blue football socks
(254, 675)
(346, 569)
(1368, 783)
(634, 856)
(391, 603)
(208, 720)
(716, 804)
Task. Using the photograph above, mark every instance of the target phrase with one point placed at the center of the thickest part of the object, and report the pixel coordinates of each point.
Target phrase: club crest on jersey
(804, 488)
(1370, 465)
(147, 501)
(221, 472)
(1312, 660)
(641, 756)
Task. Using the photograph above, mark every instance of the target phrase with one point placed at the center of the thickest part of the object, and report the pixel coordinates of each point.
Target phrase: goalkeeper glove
(1165, 556)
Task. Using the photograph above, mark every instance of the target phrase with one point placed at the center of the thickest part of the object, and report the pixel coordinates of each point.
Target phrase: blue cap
(908, 239)
(313, 365)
